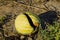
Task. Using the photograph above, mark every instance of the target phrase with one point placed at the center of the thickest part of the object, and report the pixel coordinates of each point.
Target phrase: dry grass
(10, 9)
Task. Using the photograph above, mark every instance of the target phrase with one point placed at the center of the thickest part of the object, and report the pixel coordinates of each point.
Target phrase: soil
(9, 9)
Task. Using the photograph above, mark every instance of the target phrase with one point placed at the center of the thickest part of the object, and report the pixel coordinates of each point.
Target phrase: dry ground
(10, 9)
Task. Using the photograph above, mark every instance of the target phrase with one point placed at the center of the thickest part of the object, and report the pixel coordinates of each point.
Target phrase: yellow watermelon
(22, 24)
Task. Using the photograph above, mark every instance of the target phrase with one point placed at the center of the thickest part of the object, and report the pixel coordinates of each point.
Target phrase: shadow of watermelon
(48, 17)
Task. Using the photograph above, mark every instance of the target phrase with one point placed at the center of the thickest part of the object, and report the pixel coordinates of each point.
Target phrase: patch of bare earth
(10, 9)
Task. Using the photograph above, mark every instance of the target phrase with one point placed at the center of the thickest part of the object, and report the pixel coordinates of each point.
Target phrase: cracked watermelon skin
(23, 26)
